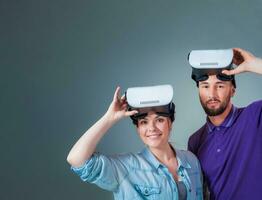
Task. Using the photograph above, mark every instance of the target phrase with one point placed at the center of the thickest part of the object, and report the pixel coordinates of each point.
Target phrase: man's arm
(246, 62)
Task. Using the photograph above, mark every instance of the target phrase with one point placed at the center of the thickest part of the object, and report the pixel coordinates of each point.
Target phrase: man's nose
(212, 92)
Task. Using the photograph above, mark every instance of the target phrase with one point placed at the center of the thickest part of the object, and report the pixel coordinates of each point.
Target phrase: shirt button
(146, 191)
(218, 128)
(218, 150)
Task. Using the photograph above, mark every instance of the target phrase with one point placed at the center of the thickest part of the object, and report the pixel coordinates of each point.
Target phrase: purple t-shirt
(231, 154)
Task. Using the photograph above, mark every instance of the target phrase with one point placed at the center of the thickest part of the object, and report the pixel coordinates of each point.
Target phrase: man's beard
(217, 111)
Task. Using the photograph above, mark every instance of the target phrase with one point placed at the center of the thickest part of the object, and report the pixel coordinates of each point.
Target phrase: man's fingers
(227, 72)
(238, 57)
(242, 53)
(231, 72)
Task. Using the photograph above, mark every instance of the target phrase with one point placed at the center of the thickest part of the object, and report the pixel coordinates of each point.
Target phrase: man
(229, 144)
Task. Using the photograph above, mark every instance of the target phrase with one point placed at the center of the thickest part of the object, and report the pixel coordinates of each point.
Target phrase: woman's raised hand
(118, 107)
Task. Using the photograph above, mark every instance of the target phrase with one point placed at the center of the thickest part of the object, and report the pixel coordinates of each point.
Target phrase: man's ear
(170, 124)
(233, 91)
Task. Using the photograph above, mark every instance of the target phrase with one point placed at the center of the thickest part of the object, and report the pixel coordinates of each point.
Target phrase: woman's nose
(151, 126)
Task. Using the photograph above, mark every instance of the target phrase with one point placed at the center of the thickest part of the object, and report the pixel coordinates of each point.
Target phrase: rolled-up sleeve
(100, 170)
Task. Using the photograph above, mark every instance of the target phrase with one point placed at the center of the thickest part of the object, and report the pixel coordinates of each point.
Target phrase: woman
(158, 172)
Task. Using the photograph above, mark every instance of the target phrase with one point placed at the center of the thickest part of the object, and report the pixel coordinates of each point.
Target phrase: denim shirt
(142, 176)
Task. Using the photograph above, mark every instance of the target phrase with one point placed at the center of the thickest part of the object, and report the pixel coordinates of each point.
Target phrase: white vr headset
(211, 59)
(151, 96)
(206, 62)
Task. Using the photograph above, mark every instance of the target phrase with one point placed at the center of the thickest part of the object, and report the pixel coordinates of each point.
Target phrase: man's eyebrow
(203, 82)
(206, 83)
(220, 82)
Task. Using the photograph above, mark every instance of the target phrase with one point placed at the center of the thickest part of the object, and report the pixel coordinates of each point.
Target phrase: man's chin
(213, 112)
(215, 108)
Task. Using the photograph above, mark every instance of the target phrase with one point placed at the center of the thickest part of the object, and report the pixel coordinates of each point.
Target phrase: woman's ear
(137, 129)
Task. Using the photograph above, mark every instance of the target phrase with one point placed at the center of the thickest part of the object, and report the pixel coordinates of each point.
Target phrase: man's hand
(245, 61)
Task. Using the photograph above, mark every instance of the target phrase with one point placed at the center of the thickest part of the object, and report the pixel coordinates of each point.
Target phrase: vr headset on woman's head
(151, 98)
(210, 62)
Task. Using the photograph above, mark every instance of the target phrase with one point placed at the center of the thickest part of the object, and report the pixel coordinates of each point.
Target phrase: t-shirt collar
(226, 123)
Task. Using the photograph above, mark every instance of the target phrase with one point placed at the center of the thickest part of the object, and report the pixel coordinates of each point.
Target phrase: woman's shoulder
(187, 157)
(186, 153)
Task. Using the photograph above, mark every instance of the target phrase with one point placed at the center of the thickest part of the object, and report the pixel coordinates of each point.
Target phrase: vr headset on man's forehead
(211, 62)
(152, 98)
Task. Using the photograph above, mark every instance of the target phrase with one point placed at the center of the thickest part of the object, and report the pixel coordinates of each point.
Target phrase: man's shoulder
(197, 134)
(195, 139)
(255, 104)
(253, 107)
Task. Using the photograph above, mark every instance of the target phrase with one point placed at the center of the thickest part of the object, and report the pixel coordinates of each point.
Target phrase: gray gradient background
(62, 60)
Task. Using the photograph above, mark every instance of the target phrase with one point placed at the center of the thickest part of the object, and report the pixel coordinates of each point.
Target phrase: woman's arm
(86, 145)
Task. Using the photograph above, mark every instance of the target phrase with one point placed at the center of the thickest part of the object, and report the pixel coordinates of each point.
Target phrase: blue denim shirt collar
(226, 123)
(182, 161)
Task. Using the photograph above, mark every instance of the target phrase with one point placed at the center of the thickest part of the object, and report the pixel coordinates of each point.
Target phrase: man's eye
(204, 86)
(220, 86)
